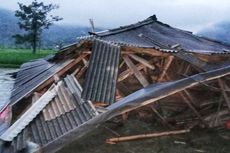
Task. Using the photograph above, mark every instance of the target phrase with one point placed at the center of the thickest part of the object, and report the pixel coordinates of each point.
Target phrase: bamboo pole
(144, 136)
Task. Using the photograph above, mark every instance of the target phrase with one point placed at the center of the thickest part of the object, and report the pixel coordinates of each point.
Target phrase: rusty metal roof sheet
(101, 77)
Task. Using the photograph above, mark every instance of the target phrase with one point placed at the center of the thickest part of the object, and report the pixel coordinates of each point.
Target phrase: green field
(13, 58)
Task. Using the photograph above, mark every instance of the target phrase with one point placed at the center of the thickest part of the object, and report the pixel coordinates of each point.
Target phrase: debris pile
(179, 77)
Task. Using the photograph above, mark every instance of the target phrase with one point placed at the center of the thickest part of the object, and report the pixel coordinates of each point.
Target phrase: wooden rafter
(137, 73)
(61, 72)
(149, 51)
(83, 69)
(166, 67)
(142, 60)
(125, 74)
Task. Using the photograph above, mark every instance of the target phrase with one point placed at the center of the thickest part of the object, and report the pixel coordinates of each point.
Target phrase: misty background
(206, 18)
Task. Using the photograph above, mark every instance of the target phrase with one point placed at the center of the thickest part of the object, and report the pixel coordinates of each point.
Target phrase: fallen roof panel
(48, 118)
(31, 75)
(101, 77)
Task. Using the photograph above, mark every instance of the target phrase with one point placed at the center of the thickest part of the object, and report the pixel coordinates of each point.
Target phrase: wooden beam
(144, 136)
(82, 71)
(138, 99)
(149, 51)
(122, 63)
(125, 74)
(137, 73)
(61, 72)
(166, 67)
(76, 70)
(142, 60)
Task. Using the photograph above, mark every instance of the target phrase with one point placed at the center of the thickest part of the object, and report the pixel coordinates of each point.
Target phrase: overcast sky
(190, 15)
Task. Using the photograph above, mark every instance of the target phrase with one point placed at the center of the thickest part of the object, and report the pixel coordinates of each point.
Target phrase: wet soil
(197, 141)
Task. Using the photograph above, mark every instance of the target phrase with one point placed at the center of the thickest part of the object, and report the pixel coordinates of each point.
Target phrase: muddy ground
(198, 140)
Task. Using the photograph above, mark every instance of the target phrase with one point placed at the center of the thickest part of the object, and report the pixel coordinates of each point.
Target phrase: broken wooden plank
(137, 73)
(144, 136)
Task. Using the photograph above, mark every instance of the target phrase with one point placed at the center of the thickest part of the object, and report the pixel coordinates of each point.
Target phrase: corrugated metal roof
(154, 34)
(28, 116)
(101, 77)
(31, 75)
(65, 111)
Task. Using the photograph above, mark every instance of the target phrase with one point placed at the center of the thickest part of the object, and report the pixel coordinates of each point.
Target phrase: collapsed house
(58, 99)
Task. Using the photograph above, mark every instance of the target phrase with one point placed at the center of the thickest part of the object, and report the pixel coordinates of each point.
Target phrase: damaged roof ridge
(120, 29)
(215, 40)
(147, 21)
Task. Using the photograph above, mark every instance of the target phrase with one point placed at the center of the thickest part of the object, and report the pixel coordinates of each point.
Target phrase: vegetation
(33, 19)
(49, 38)
(13, 58)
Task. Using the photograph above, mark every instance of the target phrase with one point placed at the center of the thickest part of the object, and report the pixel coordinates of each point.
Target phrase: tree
(33, 19)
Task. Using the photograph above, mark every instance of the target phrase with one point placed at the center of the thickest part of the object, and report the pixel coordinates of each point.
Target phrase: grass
(13, 58)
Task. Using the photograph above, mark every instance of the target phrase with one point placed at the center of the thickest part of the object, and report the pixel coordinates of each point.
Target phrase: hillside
(219, 31)
(8, 27)
(57, 34)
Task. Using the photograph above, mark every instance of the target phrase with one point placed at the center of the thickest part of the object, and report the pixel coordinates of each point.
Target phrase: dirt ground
(197, 141)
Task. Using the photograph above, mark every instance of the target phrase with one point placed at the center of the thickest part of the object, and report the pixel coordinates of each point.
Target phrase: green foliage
(16, 57)
(33, 19)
